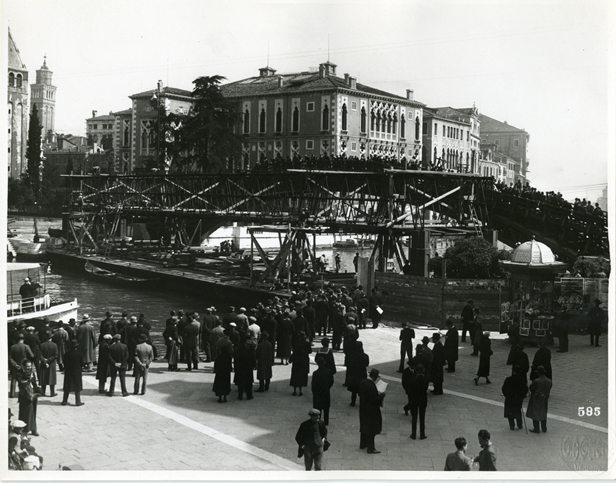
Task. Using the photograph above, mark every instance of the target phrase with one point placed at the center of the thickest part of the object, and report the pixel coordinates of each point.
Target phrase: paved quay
(179, 426)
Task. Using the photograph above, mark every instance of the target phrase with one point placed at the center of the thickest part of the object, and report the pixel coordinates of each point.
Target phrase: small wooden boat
(116, 278)
(348, 243)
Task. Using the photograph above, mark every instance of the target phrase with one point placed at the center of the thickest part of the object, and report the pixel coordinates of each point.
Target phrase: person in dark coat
(61, 338)
(310, 316)
(18, 354)
(487, 456)
(438, 361)
(269, 324)
(118, 364)
(284, 339)
(322, 381)
(102, 369)
(595, 319)
(515, 390)
(416, 388)
(376, 304)
(336, 319)
(73, 363)
(370, 418)
(172, 341)
(357, 362)
(520, 358)
(476, 332)
(485, 352)
(310, 438)
(88, 340)
(468, 314)
(543, 357)
(223, 365)
(129, 338)
(563, 322)
(423, 358)
(190, 341)
(451, 346)
(28, 397)
(31, 340)
(47, 372)
(327, 355)
(300, 360)
(265, 361)
(537, 409)
(407, 335)
(245, 362)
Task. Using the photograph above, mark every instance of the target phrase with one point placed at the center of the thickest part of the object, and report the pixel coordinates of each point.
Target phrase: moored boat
(116, 278)
(37, 307)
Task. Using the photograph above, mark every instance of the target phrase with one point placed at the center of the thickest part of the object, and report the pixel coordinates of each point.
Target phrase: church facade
(18, 111)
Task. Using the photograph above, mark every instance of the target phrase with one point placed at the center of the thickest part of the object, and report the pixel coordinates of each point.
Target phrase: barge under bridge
(388, 205)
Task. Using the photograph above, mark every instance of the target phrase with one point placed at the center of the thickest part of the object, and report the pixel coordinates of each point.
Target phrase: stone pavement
(178, 425)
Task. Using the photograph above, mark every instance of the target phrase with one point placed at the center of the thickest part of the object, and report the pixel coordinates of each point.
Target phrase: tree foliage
(592, 267)
(206, 137)
(33, 153)
(471, 258)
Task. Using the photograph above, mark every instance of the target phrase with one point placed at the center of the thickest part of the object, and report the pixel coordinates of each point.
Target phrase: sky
(541, 66)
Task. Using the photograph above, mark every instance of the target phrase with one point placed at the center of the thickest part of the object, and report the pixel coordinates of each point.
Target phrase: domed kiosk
(528, 313)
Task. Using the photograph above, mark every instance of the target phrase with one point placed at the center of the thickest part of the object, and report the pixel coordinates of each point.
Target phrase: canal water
(95, 297)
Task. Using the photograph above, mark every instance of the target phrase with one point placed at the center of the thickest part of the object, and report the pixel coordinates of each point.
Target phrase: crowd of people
(242, 341)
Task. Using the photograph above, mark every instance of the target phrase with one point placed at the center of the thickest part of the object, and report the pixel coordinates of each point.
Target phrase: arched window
(378, 121)
(279, 120)
(435, 154)
(18, 80)
(383, 122)
(363, 119)
(388, 123)
(11, 80)
(395, 122)
(295, 127)
(417, 128)
(325, 119)
(262, 121)
(372, 120)
(246, 129)
(402, 127)
(344, 117)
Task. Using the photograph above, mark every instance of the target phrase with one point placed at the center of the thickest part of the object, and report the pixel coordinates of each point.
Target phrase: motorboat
(116, 278)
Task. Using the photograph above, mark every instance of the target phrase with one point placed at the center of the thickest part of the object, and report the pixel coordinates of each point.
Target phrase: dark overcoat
(322, 381)
(438, 361)
(451, 344)
(515, 390)
(245, 362)
(285, 337)
(485, 352)
(543, 357)
(370, 419)
(73, 361)
(265, 360)
(416, 387)
(49, 353)
(300, 368)
(102, 369)
(222, 367)
(328, 358)
(539, 395)
(357, 363)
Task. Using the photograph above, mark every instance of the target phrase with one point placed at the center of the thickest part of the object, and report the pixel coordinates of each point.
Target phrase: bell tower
(43, 94)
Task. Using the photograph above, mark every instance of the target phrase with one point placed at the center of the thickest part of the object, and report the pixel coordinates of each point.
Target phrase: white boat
(40, 307)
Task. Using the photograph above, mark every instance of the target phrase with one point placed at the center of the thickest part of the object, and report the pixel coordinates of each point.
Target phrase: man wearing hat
(310, 439)
(47, 371)
(451, 346)
(118, 363)
(595, 319)
(19, 353)
(144, 355)
(73, 363)
(102, 369)
(218, 332)
(60, 337)
(428, 355)
(190, 338)
(86, 336)
(241, 319)
(438, 361)
(207, 326)
(129, 337)
(108, 326)
(31, 339)
(370, 419)
(28, 291)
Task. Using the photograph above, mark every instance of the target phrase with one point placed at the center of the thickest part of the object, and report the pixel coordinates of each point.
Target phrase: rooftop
(489, 125)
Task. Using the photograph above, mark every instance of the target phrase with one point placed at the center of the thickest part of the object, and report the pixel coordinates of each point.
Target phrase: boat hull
(61, 311)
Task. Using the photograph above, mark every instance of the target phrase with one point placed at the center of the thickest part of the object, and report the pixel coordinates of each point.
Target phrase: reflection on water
(96, 297)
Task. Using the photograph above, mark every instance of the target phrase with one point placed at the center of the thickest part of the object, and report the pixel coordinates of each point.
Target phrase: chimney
(280, 81)
(94, 113)
(160, 86)
(353, 82)
(327, 68)
(346, 79)
(409, 94)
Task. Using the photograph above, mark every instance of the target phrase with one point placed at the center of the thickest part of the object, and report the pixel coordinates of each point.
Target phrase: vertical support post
(252, 256)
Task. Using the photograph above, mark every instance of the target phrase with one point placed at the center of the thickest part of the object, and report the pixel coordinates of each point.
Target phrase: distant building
(44, 97)
(495, 164)
(320, 114)
(510, 141)
(451, 139)
(602, 200)
(100, 132)
(122, 140)
(18, 111)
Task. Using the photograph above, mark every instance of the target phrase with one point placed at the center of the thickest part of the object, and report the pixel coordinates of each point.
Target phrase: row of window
(295, 117)
(38, 94)
(15, 80)
(94, 127)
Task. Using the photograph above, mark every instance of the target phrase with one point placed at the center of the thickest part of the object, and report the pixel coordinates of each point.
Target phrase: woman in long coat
(357, 362)
(300, 368)
(485, 352)
(284, 339)
(222, 367)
